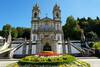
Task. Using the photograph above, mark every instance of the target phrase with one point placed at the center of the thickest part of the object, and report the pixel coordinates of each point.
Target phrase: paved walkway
(93, 62)
(88, 57)
(5, 62)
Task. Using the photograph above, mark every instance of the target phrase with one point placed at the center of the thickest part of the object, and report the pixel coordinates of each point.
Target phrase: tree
(97, 18)
(26, 33)
(0, 32)
(14, 33)
(90, 21)
(20, 31)
(82, 19)
(92, 36)
(70, 28)
(6, 29)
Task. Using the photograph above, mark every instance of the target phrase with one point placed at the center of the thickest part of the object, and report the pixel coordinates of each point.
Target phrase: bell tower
(34, 26)
(35, 12)
(57, 17)
(56, 12)
(35, 21)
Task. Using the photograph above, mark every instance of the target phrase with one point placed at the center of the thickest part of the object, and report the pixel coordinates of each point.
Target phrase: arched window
(57, 15)
(35, 14)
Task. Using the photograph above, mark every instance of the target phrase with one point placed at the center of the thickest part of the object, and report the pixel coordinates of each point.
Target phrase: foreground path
(93, 62)
(5, 62)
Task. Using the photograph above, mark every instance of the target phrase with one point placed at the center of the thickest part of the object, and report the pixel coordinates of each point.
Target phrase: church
(47, 33)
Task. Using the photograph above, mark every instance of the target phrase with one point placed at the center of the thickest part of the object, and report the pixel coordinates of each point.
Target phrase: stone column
(30, 48)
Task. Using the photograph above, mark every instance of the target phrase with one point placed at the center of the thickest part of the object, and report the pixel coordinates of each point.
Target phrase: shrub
(96, 45)
(52, 61)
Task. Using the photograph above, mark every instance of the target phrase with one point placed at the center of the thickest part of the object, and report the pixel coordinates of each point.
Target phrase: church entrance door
(47, 47)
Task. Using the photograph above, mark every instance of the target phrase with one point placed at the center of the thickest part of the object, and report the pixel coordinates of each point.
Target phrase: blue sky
(19, 12)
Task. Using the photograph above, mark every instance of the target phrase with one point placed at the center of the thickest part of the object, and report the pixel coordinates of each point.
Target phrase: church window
(35, 14)
(34, 38)
(57, 15)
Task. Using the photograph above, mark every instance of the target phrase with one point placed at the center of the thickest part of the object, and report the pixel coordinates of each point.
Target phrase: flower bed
(48, 53)
(49, 59)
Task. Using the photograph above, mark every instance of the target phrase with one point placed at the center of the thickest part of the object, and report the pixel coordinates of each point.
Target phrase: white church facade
(46, 33)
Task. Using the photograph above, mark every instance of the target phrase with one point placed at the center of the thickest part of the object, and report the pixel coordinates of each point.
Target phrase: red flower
(48, 53)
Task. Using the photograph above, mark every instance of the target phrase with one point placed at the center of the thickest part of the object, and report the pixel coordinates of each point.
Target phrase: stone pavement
(5, 62)
(93, 62)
